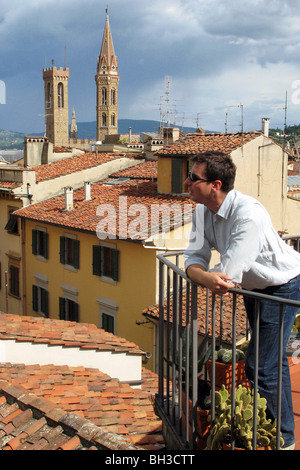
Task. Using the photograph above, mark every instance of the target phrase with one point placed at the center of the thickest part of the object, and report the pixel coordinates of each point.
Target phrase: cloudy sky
(222, 58)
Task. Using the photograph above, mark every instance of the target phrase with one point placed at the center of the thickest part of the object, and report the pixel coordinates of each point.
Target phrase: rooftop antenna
(226, 122)
(167, 82)
(65, 57)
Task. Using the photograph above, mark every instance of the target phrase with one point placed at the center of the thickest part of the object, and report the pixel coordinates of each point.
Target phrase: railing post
(161, 334)
(194, 368)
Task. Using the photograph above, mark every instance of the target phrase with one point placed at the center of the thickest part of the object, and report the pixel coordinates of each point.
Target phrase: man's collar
(225, 207)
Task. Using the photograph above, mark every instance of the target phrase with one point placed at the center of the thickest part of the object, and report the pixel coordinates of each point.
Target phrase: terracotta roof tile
(145, 170)
(61, 332)
(223, 325)
(128, 413)
(70, 165)
(84, 214)
(195, 143)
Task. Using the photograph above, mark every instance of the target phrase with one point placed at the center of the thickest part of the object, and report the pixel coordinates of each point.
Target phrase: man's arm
(217, 282)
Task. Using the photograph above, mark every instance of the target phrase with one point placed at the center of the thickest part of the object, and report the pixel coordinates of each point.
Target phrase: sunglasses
(194, 178)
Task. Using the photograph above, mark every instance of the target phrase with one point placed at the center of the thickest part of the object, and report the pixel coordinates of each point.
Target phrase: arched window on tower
(103, 119)
(113, 120)
(113, 97)
(48, 96)
(104, 96)
(60, 95)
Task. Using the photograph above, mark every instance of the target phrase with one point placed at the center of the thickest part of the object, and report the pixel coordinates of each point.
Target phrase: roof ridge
(80, 432)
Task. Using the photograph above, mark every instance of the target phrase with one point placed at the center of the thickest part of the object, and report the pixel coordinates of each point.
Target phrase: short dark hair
(219, 166)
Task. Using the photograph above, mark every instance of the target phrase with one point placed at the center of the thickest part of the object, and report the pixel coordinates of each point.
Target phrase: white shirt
(251, 251)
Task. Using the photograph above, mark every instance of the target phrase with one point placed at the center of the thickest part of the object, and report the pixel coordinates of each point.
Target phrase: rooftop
(70, 165)
(195, 143)
(223, 325)
(51, 396)
(84, 214)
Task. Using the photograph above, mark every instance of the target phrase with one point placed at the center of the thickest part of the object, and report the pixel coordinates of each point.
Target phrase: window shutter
(97, 260)
(76, 253)
(115, 265)
(176, 175)
(45, 302)
(62, 250)
(46, 238)
(76, 311)
(35, 299)
(62, 313)
(34, 242)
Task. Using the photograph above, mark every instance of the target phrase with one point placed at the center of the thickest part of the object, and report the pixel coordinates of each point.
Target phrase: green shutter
(76, 245)
(62, 250)
(46, 238)
(45, 302)
(76, 311)
(108, 323)
(176, 175)
(97, 251)
(115, 265)
(35, 299)
(62, 312)
(34, 242)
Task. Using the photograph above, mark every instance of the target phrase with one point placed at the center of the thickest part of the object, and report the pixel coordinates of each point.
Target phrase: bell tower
(107, 81)
(56, 105)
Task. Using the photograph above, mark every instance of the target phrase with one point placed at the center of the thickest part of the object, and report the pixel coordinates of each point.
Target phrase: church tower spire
(107, 81)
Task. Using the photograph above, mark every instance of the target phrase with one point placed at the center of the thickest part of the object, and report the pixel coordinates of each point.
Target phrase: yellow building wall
(164, 175)
(134, 291)
(10, 253)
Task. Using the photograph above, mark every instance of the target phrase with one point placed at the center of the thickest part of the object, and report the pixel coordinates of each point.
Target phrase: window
(40, 300)
(104, 96)
(113, 120)
(60, 95)
(68, 309)
(103, 119)
(14, 280)
(40, 242)
(106, 262)
(69, 251)
(48, 96)
(12, 223)
(177, 176)
(108, 314)
(113, 97)
(108, 323)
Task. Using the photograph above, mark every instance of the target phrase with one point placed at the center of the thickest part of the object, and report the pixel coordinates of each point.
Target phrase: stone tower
(56, 105)
(107, 81)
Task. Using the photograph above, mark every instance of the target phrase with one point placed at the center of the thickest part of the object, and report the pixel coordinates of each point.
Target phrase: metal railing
(188, 313)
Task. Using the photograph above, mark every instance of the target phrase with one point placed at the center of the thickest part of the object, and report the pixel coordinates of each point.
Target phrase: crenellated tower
(107, 82)
(56, 105)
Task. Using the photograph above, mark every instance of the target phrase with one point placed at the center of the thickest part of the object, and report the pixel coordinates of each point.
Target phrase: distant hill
(11, 140)
(87, 130)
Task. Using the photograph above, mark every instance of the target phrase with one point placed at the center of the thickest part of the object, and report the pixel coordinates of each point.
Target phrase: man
(252, 255)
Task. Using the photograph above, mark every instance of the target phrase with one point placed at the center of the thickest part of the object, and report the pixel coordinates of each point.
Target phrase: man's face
(200, 191)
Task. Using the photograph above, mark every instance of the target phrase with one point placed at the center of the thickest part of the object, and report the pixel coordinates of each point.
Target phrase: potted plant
(220, 433)
(223, 367)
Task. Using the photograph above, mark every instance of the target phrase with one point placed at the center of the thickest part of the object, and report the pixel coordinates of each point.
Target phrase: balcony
(195, 323)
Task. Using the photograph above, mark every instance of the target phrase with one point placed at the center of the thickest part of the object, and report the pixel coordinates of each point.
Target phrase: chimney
(87, 190)
(68, 198)
(129, 136)
(265, 122)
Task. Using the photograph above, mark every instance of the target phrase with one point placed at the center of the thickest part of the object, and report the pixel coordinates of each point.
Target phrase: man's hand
(218, 283)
